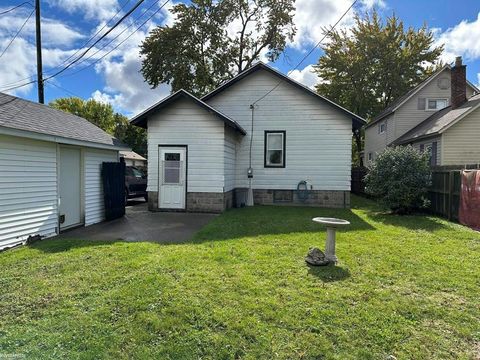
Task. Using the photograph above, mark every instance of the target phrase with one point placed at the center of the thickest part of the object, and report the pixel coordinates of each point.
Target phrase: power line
(96, 52)
(18, 86)
(63, 89)
(94, 35)
(16, 7)
(97, 41)
(18, 32)
(120, 43)
(309, 53)
(75, 53)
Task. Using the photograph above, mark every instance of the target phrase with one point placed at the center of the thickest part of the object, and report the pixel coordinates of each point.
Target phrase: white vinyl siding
(28, 189)
(409, 115)
(229, 161)
(318, 140)
(428, 142)
(94, 202)
(376, 142)
(461, 141)
(185, 123)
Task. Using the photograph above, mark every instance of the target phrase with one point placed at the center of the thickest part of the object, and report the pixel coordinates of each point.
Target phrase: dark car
(135, 183)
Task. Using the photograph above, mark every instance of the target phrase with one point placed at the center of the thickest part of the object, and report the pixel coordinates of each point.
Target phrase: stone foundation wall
(205, 202)
(219, 202)
(322, 198)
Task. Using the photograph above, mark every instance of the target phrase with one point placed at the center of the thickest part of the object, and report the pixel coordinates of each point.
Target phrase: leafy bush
(400, 177)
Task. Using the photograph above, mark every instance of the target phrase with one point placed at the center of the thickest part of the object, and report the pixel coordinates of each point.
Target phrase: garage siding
(94, 205)
(28, 189)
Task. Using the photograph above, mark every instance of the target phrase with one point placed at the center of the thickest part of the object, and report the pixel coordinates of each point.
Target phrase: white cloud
(313, 16)
(462, 39)
(92, 9)
(306, 76)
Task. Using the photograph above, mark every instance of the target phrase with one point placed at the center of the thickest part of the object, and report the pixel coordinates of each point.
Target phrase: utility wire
(18, 32)
(76, 52)
(94, 35)
(16, 7)
(97, 41)
(123, 41)
(63, 89)
(308, 54)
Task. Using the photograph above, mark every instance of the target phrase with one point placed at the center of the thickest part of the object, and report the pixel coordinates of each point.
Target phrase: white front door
(70, 187)
(172, 177)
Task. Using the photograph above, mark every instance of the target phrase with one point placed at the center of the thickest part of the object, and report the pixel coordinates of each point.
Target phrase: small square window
(274, 149)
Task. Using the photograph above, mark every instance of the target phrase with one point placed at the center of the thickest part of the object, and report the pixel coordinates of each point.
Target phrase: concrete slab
(139, 224)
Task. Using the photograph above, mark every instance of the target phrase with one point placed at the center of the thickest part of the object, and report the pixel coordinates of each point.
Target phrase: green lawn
(405, 286)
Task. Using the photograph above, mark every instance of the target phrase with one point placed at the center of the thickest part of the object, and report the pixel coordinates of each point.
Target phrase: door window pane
(172, 156)
(171, 176)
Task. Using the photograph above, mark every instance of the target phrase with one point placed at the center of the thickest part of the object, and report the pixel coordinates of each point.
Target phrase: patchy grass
(405, 286)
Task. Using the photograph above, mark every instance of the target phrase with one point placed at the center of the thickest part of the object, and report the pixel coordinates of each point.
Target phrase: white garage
(50, 170)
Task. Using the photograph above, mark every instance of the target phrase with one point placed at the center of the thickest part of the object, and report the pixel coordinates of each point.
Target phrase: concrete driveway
(139, 224)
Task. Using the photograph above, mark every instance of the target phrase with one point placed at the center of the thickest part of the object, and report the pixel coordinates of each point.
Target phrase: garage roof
(24, 115)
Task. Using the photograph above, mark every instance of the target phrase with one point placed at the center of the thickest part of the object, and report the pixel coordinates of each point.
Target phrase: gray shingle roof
(439, 121)
(394, 105)
(20, 114)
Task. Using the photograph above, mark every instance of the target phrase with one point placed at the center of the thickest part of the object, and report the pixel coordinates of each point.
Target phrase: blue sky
(67, 25)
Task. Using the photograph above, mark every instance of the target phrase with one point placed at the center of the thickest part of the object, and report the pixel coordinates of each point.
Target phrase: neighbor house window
(370, 156)
(431, 150)
(275, 149)
(382, 128)
(436, 104)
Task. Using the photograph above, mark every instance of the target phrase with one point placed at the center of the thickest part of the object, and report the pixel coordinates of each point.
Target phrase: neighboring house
(412, 109)
(133, 159)
(200, 150)
(50, 170)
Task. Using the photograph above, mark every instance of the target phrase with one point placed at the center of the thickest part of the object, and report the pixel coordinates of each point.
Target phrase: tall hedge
(399, 177)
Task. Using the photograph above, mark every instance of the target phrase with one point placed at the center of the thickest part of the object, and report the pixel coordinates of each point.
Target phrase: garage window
(274, 149)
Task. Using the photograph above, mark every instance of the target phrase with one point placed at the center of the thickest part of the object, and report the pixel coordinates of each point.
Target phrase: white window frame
(435, 99)
(283, 149)
(384, 125)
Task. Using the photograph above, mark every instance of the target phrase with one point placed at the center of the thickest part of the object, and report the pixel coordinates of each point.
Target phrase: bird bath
(332, 224)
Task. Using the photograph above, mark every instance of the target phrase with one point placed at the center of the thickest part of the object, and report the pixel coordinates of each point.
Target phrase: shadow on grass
(64, 245)
(274, 220)
(329, 273)
(419, 221)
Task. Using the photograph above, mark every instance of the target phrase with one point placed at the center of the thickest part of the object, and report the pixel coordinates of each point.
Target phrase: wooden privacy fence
(358, 185)
(444, 194)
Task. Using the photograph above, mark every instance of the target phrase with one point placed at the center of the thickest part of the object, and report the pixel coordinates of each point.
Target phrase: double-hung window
(274, 149)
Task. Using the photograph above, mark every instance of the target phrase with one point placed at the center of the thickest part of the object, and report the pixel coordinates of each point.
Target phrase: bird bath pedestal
(332, 224)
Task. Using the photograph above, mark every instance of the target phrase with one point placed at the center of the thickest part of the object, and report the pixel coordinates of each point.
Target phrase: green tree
(212, 41)
(370, 66)
(103, 116)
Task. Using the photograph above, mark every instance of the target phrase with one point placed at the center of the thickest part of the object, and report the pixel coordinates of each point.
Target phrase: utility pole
(41, 96)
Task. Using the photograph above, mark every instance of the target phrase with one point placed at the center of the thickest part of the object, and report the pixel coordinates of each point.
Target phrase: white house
(50, 170)
(200, 150)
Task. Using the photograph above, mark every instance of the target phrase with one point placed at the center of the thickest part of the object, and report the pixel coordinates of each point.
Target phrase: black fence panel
(444, 194)
(113, 176)
(358, 184)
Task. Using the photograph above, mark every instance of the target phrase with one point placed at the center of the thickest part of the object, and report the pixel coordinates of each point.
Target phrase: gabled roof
(408, 95)
(141, 119)
(357, 120)
(132, 155)
(54, 125)
(440, 121)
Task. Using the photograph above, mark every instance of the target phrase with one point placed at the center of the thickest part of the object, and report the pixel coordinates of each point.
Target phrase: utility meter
(250, 173)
